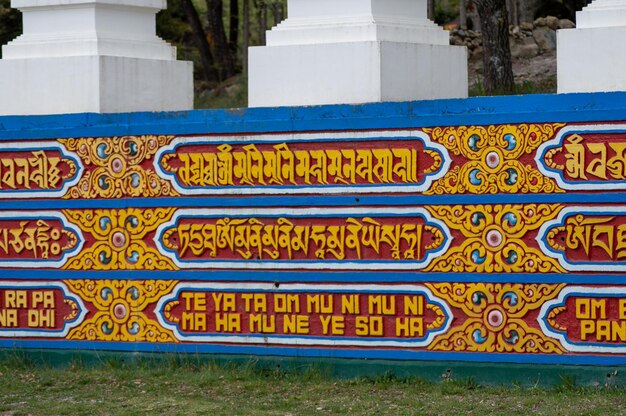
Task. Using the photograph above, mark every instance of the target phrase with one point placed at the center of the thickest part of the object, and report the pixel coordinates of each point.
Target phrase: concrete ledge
(478, 373)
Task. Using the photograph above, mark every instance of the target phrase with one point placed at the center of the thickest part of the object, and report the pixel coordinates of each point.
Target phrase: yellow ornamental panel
(121, 310)
(495, 238)
(495, 159)
(498, 317)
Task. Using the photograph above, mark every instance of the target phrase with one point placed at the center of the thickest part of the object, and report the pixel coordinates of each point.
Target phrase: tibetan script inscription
(586, 157)
(34, 170)
(35, 239)
(197, 164)
(587, 238)
(303, 238)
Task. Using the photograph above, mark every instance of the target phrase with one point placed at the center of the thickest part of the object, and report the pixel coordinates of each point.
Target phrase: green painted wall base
(463, 372)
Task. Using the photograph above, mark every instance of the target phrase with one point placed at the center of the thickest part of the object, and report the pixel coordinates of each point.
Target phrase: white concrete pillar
(592, 56)
(355, 51)
(99, 56)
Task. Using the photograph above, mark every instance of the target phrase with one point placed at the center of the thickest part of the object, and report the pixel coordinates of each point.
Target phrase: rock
(515, 49)
(552, 22)
(461, 33)
(566, 24)
(520, 50)
(540, 22)
(457, 41)
(526, 26)
(545, 38)
(477, 53)
(515, 31)
(528, 51)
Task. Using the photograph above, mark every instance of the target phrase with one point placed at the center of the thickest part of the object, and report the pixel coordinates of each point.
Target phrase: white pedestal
(91, 56)
(592, 58)
(93, 84)
(355, 51)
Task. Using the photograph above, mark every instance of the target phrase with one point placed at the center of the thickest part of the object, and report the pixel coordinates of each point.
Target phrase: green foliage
(568, 383)
(172, 26)
(446, 11)
(390, 377)
(10, 23)
(16, 359)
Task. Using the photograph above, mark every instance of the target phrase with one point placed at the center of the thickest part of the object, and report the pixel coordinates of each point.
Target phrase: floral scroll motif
(121, 310)
(497, 317)
(493, 155)
(494, 238)
(120, 242)
(114, 167)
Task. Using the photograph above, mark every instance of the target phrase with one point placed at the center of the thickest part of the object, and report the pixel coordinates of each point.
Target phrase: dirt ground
(540, 70)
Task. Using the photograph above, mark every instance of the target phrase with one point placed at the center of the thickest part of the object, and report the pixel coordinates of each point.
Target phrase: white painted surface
(92, 56)
(602, 13)
(93, 84)
(347, 8)
(591, 57)
(422, 71)
(355, 51)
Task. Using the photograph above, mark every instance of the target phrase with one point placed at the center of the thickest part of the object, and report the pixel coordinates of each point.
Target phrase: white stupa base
(591, 59)
(355, 72)
(99, 84)
(84, 56)
(355, 51)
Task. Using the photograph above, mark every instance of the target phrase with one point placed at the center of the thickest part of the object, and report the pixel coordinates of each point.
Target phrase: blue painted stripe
(573, 359)
(321, 200)
(471, 111)
(356, 277)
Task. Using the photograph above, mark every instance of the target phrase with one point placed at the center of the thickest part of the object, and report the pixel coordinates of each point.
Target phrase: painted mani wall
(485, 229)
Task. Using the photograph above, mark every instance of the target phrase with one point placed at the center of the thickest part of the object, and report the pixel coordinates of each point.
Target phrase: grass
(187, 388)
(232, 93)
(546, 86)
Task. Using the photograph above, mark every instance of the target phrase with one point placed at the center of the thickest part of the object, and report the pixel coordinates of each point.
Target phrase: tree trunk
(462, 14)
(262, 19)
(430, 10)
(206, 57)
(511, 6)
(246, 36)
(494, 25)
(516, 20)
(526, 10)
(221, 48)
(472, 16)
(233, 33)
(278, 13)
